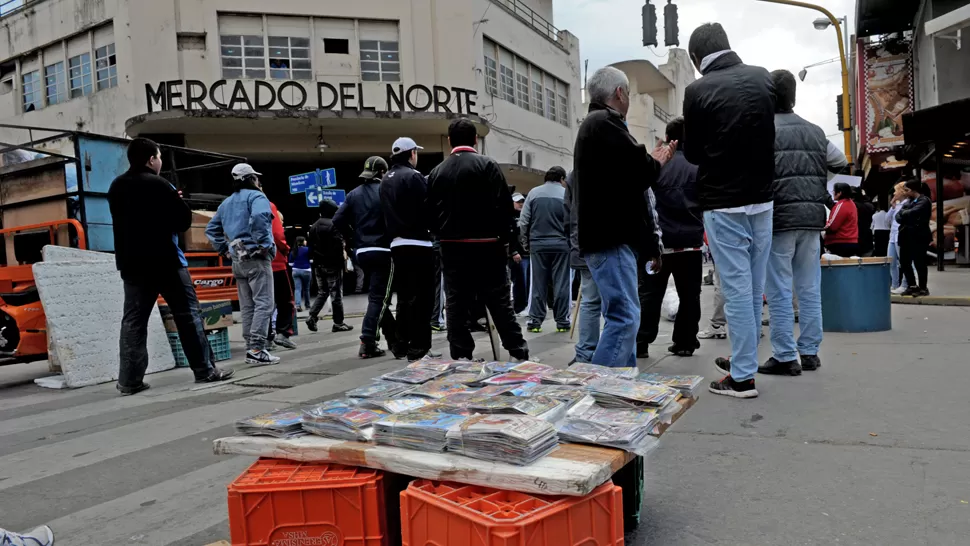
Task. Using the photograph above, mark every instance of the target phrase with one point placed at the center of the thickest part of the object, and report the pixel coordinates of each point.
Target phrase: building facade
(656, 94)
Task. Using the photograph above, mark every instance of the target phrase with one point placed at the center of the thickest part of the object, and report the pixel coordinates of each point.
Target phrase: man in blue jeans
(590, 305)
(729, 123)
(614, 222)
(803, 157)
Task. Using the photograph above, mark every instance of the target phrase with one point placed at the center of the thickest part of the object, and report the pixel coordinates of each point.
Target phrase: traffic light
(671, 32)
(839, 111)
(649, 25)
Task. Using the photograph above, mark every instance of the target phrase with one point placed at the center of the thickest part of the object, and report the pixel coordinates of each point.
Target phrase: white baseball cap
(243, 170)
(404, 144)
(517, 197)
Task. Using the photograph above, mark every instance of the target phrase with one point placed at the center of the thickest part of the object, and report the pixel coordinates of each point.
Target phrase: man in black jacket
(327, 248)
(470, 208)
(148, 214)
(914, 237)
(729, 123)
(361, 219)
(683, 236)
(403, 194)
(614, 222)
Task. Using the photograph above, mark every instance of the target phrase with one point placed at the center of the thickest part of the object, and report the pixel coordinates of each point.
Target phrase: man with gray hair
(613, 219)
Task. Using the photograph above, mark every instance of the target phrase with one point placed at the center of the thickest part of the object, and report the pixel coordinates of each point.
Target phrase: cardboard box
(215, 315)
(195, 239)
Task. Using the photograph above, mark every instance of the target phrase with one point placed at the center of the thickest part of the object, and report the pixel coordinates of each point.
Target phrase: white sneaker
(41, 536)
(713, 332)
(900, 290)
(261, 357)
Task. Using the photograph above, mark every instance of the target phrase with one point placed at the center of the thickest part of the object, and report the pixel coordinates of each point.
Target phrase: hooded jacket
(360, 218)
(403, 194)
(326, 243)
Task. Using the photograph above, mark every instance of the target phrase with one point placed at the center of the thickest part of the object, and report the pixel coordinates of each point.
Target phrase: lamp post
(846, 114)
(804, 71)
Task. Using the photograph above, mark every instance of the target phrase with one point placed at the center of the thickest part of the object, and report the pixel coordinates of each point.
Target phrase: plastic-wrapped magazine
(499, 367)
(686, 384)
(567, 377)
(438, 389)
(621, 393)
(565, 393)
(512, 378)
(624, 429)
(461, 377)
(495, 390)
(395, 405)
(420, 430)
(533, 368)
(436, 365)
(279, 424)
(513, 439)
(522, 389)
(342, 423)
(413, 376)
(542, 407)
(380, 389)
(605, 371)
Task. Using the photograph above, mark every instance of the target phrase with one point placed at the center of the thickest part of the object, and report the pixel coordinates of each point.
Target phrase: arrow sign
(313, 196)
(337, 196)
(300, 182)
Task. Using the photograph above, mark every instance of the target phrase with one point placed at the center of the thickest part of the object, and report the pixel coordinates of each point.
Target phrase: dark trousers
(413, 278)
(520, 287)
(913, 255)
(687, 269)
(140, 296)
(550, 266)
(438, 300)
(475, 273)
(881, 240)
(329, 285)
(283, 298)
(378, 318)
(844, 250)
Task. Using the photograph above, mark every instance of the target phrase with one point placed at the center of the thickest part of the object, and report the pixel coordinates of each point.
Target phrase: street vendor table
(572, 469)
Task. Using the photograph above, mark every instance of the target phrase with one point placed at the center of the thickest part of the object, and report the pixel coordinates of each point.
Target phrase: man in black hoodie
(361, 219)
(327, 248)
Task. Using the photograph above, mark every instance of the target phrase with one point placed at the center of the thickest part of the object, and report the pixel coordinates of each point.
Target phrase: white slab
(84, 302)
(54, 253)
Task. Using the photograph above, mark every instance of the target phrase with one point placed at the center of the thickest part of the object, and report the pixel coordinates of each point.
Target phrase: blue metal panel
(101, 237)
(101, 162)
(96, 210)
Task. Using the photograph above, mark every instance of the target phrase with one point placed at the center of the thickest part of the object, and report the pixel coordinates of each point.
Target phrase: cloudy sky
(770, 35)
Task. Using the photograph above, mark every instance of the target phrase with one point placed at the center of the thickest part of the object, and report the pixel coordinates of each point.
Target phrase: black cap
(372, 166)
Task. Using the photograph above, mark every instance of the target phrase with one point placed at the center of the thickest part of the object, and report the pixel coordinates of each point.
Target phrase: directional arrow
(312, 197)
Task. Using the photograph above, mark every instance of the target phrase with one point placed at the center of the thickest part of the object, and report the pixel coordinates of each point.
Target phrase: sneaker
(41, 536)
(299, 309)
(713, 332)
(811, 363)
(311, 324)
(399, 351)
(428, 354)
(438, 327)
(682, 350)
(216, 375)
(775, 367)
(261, 356)
(534, 328)
(284, 342)
(738, 389)
(899, 291)
(912, 291)
(341, 328)
(522, 357)
(923, 292)
(723, 365)
(644, 352)
(563, 329)
(765, 322)
(125, 391)
(370, 350)
(476, 326)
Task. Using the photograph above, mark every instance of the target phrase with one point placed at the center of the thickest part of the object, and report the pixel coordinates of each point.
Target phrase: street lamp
(823, 23)
(804, 71)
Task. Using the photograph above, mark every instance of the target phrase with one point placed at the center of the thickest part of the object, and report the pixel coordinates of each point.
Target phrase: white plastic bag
(670, 305)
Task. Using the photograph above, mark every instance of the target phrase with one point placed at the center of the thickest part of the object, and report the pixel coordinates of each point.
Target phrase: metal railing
(11, 6)
(661, 113)
(528, 15)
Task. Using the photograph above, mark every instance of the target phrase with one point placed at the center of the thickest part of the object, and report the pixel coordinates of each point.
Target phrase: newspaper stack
(395, 405)
(543, 407)
(279, 424)
(567, 377)
(420, 430)
(628, 430)
(341, 423)
(621, 393)
(414, 376)
(379, 389)
(686, 384)
(605, 371)
(514, 439)
(565, 393)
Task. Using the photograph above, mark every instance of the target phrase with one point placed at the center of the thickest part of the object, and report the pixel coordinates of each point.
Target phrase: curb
(939, 301)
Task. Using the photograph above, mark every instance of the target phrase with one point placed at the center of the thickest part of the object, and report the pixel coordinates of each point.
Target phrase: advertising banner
(888, 78)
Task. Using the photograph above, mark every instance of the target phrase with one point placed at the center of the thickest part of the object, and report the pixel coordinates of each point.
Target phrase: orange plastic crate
(277, 502)
(448, 514)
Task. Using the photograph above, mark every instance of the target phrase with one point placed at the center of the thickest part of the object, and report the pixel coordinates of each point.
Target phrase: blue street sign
(327, 178)
(300, 182)
(337, 196)
(314, 196)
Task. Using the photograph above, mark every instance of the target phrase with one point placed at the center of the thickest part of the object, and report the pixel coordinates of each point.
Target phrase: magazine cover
(567, 377)
(395, 405)
(414, 376)
(533, 368)
(604, 371)
(438, 389)
(380, 389)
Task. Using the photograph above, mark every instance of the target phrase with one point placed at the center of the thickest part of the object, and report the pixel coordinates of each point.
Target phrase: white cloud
(770, 35)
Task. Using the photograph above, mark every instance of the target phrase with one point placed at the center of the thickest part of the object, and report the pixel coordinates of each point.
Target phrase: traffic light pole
(846, 114)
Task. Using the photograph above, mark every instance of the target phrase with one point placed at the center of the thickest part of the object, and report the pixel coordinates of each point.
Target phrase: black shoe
(341, 328)
(215, 375)
(521, 356)
(723, 365)
(311, 324)
(811, 363)
(681, 350)
(476, 326)
(912, 291)
(737, 389)
(414, 357)
(128, 391)
(923, 292)
(370, 350)
(438, 327)
(644, 352)
(563, 328)
(400, 352)
(774, 367)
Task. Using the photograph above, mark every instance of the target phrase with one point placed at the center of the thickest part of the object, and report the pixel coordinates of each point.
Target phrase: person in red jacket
(282, 288)
(842, 229)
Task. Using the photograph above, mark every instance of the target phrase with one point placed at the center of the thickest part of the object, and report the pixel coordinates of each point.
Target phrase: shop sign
(257, 95)
(888, 80)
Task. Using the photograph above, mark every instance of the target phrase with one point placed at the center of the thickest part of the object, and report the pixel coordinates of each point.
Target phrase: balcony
(528, 16)
(661, 113)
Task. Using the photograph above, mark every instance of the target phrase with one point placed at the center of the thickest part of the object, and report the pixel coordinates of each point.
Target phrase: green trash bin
(855, 295)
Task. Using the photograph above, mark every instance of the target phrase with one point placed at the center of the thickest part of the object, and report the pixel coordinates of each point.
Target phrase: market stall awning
(884, 16)
(945, 123)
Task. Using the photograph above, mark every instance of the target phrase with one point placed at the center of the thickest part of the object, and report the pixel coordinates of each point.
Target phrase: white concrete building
(295, 85)
(656, 94)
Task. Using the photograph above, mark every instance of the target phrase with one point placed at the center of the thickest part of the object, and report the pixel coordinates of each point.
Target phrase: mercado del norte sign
(253, 95)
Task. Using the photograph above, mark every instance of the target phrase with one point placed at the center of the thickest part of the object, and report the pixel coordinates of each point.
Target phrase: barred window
(289, 58)
(551, 111)
(33, 91)
(522, 84)
(79, 68)
(380, 61)
(243, 56)
(54, 82)
(107, 67)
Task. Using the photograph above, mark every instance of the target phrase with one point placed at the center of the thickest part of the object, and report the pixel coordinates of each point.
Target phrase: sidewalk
(950, 288)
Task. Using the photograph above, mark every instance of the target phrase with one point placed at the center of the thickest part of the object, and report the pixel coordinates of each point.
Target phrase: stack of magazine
(621, 393)
(514, 439)
(380, 389)
(414, 376)
(437, 390)
(686, 384)
(543, 407)
(567, 377)
(395, 405)
(279, 424)
(341, 423)
(420, 430)
(605, 371)
(626, 429)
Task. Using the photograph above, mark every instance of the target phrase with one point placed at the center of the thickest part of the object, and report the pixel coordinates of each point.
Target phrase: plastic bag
(670, 305)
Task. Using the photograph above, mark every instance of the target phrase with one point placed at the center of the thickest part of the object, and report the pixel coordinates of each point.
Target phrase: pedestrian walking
(470, 206)
(148, 214)
(842, 228)
(519, 262)
(612, 172)
(590, 304)
(682, 228)
(543, 226)
(302, 273)
(280, 333)
(242, 229)
(899, 284)
(361, 219)
(329, 261)
(914, 238)
(729, 119)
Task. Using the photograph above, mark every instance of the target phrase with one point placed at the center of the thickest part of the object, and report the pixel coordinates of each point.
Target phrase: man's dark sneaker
(765, 322)
(912, 291)
(774, 367)
(923, 292)
(519, 356)
(341, 328)
(644, 352)
(128, 391)
(284, 342)
(563, 328)
(811, 363)
(399, 351)
(311, 324)
(438, 327)
(723, 365)
(534, 329)
(370, 350)
(682, 350)
(414, 357)
(475, 326)
(737, 389)
(215, 375)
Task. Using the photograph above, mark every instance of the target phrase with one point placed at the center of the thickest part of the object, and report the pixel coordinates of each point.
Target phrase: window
(54, 82)
(506, 76)
(537, 102)
(32, 91)
(80, 75)
(563, 103)
(551, 102)
(522, 84)
(243, 56)
(338, 46)
(491, 69)
(107, 69)
(379, 61)
(289, 58)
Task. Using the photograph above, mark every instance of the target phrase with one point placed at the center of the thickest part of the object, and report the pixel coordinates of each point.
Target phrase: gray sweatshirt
(543, 220)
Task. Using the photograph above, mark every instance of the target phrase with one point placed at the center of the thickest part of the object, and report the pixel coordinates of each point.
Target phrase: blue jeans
(589, 318)
(894, 271)
(615, 273)
(302, 279)
(740, 245)
(794, 257)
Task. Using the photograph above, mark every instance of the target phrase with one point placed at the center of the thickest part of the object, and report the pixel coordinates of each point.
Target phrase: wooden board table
(572, 469)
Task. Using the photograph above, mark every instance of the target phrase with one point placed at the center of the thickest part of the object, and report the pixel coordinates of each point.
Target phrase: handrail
(661, 113)
(528, 15)
(51, 227)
